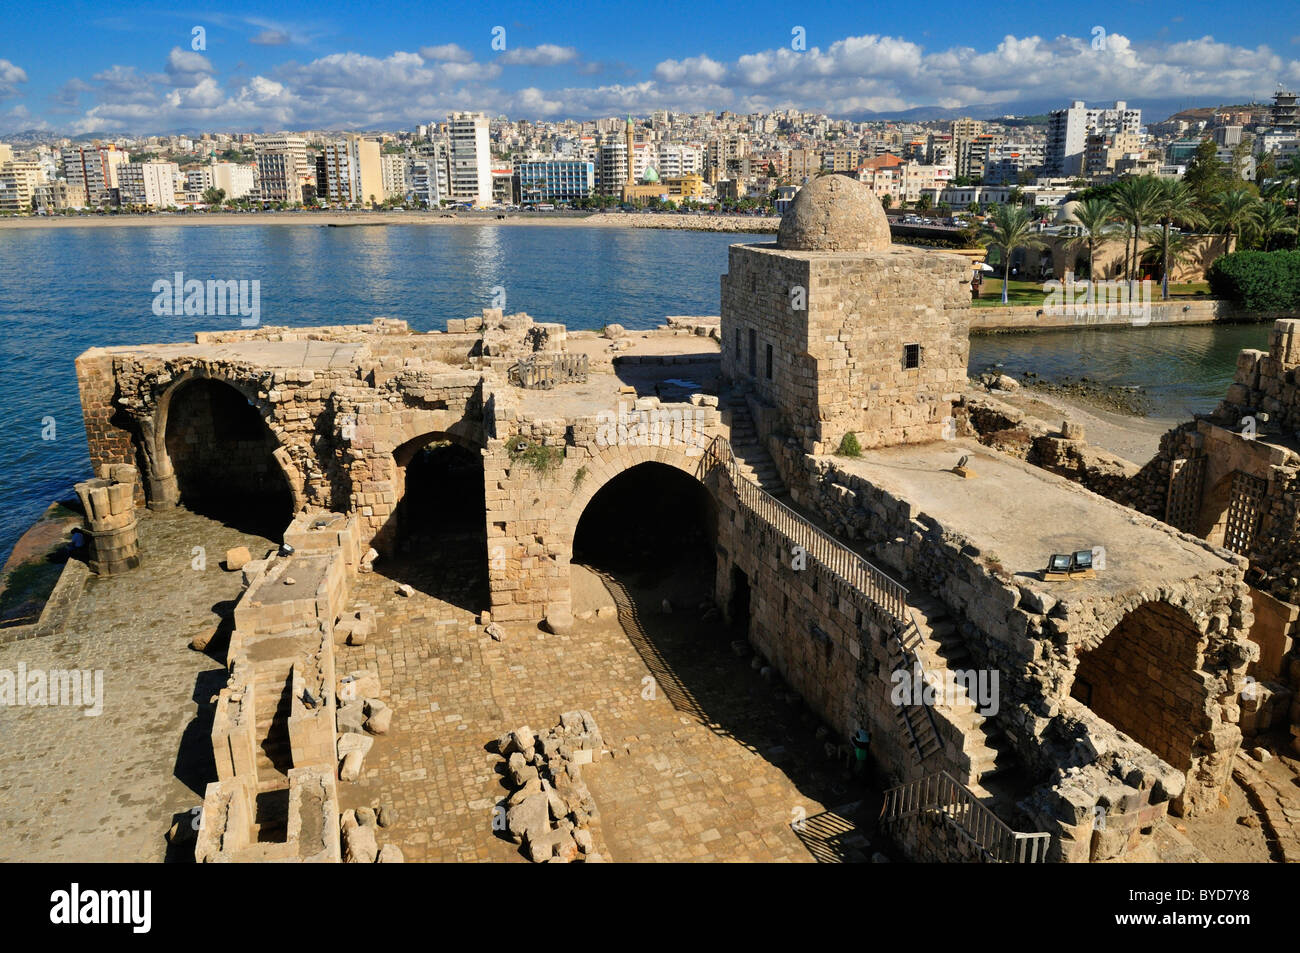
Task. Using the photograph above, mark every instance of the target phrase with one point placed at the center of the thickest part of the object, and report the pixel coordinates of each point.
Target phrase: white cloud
(849, 76)
(547, 54)
(447, 53)
(185, 68)
(270, 37)
(10, 76)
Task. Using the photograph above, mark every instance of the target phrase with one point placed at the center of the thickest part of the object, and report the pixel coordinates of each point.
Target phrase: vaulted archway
(436, 536)
(1144, 678)
(221, 455)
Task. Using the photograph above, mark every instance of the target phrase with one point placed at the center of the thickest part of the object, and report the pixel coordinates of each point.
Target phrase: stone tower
(840, 330)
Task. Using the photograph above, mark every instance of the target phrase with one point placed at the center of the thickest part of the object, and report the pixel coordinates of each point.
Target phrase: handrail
(841, 562)
(942, 793)
(536, 372)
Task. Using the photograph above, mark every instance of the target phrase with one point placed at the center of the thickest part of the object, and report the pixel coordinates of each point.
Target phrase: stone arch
(434, 530)
(377, 473)
(660, 478)
(1144, 678)
(214, 434)
(163, 489)
(604, 467)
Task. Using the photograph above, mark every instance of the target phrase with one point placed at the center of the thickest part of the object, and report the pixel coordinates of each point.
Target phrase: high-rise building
(279, 177)
(93, 169)
(963, 132)
(556, 180)
(470, 158)
(350, 172)
(1068, 129)
(613, 170)
(392, 167)
(154, 184)
(428, 173)
(282, 167)
(19, 180)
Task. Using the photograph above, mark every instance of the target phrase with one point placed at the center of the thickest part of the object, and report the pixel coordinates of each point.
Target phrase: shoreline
(665, 221)
(1134, 437)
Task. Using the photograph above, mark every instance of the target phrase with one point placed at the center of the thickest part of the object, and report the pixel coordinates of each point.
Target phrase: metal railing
(837, 559)
(943, 794)
(544, 371)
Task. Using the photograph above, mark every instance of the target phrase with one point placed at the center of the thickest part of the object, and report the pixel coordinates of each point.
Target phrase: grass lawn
(1032, 293)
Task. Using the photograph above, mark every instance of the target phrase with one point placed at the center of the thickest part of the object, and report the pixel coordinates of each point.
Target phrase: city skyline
(143, 70)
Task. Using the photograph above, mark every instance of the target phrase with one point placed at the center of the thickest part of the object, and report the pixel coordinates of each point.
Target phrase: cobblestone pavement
(708, 761)
(106, 788)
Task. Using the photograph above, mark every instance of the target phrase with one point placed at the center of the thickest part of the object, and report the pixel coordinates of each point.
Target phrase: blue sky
(107, 67)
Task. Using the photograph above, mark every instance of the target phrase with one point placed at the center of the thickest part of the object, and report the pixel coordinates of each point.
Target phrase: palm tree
(1137, 200)
(1096, 216)
(1234, 211)
(1008, 228)
(1294, 172)
(1273, 219)
(1176, 203)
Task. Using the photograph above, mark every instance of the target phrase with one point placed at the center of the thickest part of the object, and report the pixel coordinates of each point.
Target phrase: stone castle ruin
(1118, 689)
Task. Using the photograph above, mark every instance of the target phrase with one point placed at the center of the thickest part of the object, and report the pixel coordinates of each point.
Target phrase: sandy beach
(339, 219)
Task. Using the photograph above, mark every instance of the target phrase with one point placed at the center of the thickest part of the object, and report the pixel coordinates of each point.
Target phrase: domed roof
(650, 174)
(834, 213)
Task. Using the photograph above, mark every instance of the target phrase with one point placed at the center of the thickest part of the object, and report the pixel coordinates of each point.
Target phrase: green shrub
(1258, 280)
(849, 446)
(539, 456)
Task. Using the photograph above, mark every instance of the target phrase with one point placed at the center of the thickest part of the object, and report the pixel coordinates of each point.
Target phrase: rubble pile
(550, 810)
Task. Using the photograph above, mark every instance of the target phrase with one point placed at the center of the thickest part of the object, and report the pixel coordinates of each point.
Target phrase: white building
(282, 167)
(237, 180)
(393, 174)
(428, 173)
(471, 158)
(154, 184)
(1068, 129)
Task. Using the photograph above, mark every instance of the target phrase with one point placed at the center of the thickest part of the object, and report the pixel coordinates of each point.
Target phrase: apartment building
(470, 158)
(279, 177)
(1068, 130)
(282, 168)
(392, 170)
(153, 184)
(58, 195)
(612, 173)
(1008, 161)
(93, 169)
(19, 179)
(556, 180)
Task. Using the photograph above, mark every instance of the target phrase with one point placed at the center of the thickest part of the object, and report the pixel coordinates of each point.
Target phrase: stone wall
(540, 473)
(1036, 643)
(1037, 317)
(842, 328)
(830, 642)
(1062, 450)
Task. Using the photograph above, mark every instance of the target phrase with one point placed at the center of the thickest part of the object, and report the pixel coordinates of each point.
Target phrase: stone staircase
(986, 762)
(271, 689)
(274, 759)
(752, 460)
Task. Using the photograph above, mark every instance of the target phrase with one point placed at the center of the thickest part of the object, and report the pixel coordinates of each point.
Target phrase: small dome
(1065, 214)
(834, 213)
(651, 176)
